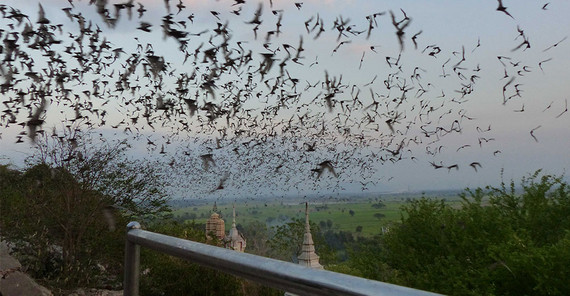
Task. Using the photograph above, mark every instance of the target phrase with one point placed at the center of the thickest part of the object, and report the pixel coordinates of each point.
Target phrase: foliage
(62, 211)
(365, 260)
(137, 187)
(257, 234)
(56, 237)
(379, 215)
(379, 205)
(288, 238)
(498, 242)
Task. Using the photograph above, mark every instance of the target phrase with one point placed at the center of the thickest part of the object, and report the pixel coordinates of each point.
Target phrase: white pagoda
(308, 257)
(235, 241)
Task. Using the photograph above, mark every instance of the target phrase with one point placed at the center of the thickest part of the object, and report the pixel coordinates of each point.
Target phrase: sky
(491, 135)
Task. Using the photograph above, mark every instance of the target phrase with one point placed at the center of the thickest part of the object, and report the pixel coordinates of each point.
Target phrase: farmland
(370, 213)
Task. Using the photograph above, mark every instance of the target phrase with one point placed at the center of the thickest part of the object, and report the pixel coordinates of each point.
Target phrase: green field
(276, 213)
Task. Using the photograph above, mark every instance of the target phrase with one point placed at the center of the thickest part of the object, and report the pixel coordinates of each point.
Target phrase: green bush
(499, 242)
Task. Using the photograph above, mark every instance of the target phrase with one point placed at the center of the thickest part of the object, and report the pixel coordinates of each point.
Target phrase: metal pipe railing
(266, 271)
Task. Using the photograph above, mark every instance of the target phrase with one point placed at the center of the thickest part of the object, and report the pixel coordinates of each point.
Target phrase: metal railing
(282, 275)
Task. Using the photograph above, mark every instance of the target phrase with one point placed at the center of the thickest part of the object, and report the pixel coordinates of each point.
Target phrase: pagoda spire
(234, 234)
(234, 215)
(307, 224)
(308, 256)
(235, 241)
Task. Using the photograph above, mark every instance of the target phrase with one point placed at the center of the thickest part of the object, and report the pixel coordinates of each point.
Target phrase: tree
(366, 259)
(379, 205)
(379, 216)
(338, 242)
(135, 186)
(257, 234)
(499, 242)
(67, 204)
(287, 240)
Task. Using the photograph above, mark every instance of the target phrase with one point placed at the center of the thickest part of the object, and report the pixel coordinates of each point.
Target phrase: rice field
(370, 214)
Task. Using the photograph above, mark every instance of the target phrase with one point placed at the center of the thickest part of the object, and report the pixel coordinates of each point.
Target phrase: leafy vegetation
(62, 211)
(499, 242)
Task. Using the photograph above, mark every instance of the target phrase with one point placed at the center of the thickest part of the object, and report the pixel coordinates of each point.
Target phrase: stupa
(308, 257)
(235, 240)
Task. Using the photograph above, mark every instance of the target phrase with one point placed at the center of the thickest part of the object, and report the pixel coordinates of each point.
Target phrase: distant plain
(272, 213)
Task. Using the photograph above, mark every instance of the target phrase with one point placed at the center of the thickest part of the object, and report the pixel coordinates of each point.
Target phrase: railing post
(132, 264)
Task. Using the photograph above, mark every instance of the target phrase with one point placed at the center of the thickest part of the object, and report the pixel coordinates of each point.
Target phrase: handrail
(270, 272)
